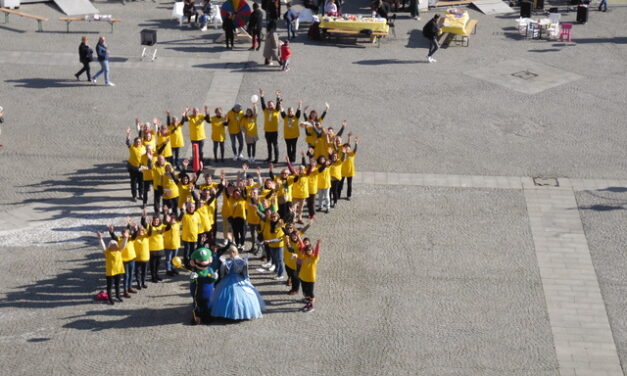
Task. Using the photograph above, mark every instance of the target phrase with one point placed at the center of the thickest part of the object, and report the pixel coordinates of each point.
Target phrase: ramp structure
(76, 7)
(492, 6)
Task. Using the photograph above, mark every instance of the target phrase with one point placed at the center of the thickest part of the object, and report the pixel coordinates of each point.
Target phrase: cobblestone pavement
(448, 261)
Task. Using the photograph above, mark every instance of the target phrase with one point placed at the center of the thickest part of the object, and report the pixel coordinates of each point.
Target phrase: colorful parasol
(239, 8)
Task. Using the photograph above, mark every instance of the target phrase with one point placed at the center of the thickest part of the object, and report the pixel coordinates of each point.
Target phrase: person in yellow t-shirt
(300, 191)
(163, 143)
(348, 167)
(146, 163)
(291, 129)
(156, 243)
(324, 184)
(197, 128)
(234, 118)
(312, 186)
(274, 241)
(175, 128)
(170, 185)
(135, 152)
(114, 268)
(218, 134)
(238, 216)
(190, 226)
(308, 271)
(158, 171)
(271, 116)
(311, 119)
(128, 260)
(171, 242)
(335, 168)
(142, 256)
(249, 126)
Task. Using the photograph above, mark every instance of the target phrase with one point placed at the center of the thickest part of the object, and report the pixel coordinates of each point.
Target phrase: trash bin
(582, 14)
(148, 37)
(525, 9)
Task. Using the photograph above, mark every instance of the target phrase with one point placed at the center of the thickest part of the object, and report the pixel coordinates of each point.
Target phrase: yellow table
(453, 24)
(374, 24)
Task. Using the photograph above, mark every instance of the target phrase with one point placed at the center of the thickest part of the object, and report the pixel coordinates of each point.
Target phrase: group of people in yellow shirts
(189, 205)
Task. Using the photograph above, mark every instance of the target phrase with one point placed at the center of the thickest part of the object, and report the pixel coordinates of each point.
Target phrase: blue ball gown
(235, 297)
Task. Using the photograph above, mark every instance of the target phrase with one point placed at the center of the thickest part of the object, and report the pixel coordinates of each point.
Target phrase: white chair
(177, 12)
(555, 18)
(522, 26)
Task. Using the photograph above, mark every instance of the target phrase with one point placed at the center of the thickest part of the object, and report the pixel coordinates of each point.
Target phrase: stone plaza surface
(448, 260)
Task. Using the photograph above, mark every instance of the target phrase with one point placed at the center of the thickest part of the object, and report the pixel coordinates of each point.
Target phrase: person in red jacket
(286, 52)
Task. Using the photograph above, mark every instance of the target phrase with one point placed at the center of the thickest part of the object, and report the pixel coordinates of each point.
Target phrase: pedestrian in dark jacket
(85, 56)
(229, 30)
(431, 31)
(255, 25)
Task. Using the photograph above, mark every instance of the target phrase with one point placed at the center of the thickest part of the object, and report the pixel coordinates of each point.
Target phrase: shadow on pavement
(46, 83)
(388, 61)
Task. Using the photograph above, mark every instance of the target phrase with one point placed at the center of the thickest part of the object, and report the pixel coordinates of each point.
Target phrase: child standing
(114, 268)
(286, 53)
(307, 273)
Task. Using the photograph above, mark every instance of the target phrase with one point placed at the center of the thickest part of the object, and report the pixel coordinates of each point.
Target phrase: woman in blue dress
(235, 297)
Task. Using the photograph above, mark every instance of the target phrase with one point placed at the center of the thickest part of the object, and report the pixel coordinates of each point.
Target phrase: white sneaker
(279, 277)
(93, 80)
(235, 158)
(204, 28)
(266, 265)
(111, 84)
(272, 268)
(241, 156)
(433, 60)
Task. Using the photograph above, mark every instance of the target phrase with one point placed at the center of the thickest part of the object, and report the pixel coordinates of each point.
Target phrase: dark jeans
(239, 230)
(284, 211)
(308, 289)
(155, 261)
(188, 249)
(216, 145)
(85, 69)
(272, 142)
(251, 149)
(201, 145)
(175, 154)
(291, 30)
(172, 203)
(140, 273)
(237, 143)
(256, 35)
(290, 144)
(157, 199)
(311, 205)
(111, 280)
(136, 180)
(229, 36)
(129, 268)
(349, 186)
(293, 277)
(336, 186)
(147, 185)
(433, 45)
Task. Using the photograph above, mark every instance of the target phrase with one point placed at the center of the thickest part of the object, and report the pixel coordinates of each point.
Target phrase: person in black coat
(431, 30)
(255, 25)
(229, 30)
(85, 56)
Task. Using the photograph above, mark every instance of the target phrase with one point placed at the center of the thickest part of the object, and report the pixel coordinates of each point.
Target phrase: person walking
(271, 46)
(603, 6)
(85, 56)
(414, 10)
(255, 24)
(431, 30)
(102, 51)
(290, 18)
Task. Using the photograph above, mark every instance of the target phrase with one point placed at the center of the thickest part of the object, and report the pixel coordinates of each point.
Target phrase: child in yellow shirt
(308, 271)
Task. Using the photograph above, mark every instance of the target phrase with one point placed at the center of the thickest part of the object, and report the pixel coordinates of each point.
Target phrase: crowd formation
(267, 213)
